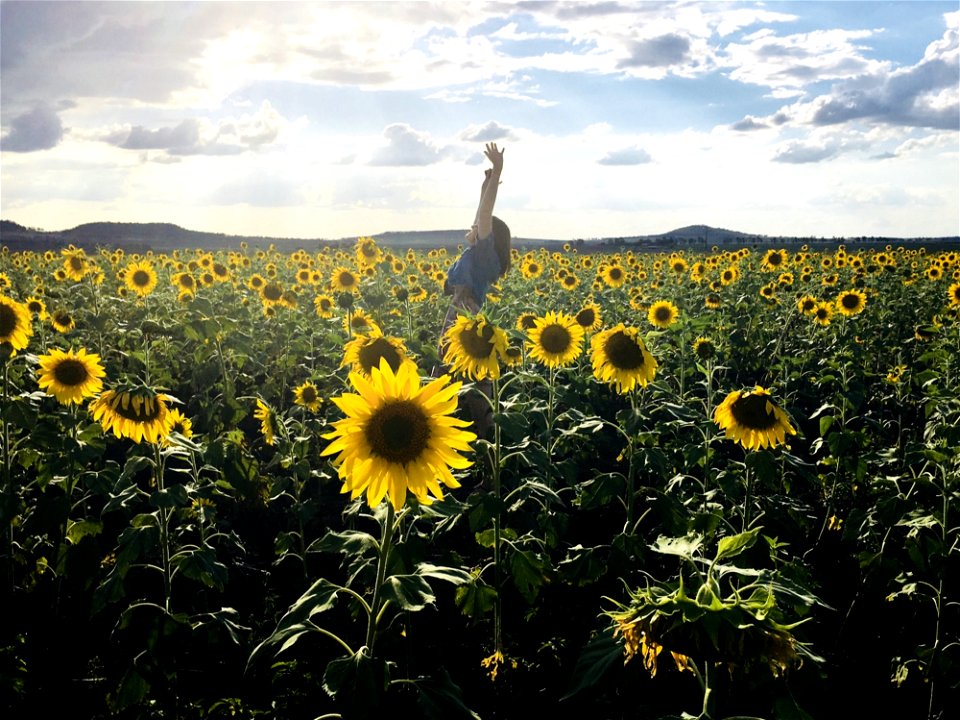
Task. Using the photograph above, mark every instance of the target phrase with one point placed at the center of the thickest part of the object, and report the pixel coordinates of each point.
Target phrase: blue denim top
(477, 268)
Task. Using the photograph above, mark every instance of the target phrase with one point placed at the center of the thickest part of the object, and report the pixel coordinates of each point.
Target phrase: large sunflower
(138, 414)
(663, 314)
(751, 418)
(398, 436)
(620, 357)
(364, 352)
(15, 325)
(70, 376)
(851, 302)
(474, 347)
(555, 340)
(141, 278)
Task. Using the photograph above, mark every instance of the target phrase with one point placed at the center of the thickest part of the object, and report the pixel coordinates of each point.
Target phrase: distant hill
(164, 237)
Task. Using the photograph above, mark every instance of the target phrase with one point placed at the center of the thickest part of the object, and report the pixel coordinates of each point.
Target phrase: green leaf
(202, 566)
(601, 490)
(360, 681)
(441, 698)
(486, 538)
(79, 529)
(475, 599)
(410, 592)
(600, 654)
(684, 547)
(528, 573)
(349, 542)
(583, 566)
(457, 576)
(825, 422)
(733, 545)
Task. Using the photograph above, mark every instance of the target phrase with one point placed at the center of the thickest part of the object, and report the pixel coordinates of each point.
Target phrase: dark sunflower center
(555, 339)
(308, 394)
(76, 263)
(850, 301)
(528, 322)
(186, 281)
(272, 292)
(822, 313)
(615, 273)
(398, 432)
(478, 345)
(8, 320)
(219, 269)
(775, 259)
(146, 411)
(586, 317)
(346, 279)
(141, 278)
(34, 306)
(750, 411)
(256, 282)
(533, 268)
(371, 353)
(808, 305)
(663, 314)
(727, 275)
(623, 352)
(63, 318)
(325, 304)
(71, 372)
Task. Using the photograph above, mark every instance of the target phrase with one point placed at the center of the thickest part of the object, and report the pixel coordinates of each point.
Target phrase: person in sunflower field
(484, 261)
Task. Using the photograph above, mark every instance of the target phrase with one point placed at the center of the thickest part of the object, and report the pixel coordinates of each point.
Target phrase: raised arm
(488, 199)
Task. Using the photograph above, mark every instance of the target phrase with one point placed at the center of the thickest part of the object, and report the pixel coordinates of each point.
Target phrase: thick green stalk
(382, 560)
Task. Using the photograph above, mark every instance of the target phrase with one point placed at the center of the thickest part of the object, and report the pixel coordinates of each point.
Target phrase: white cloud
(406, 146)
(626, 156)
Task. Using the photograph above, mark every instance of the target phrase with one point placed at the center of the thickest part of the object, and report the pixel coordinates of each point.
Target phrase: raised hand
(494, 155)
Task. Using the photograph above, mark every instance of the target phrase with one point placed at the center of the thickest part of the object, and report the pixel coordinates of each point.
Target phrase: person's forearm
(487, 202)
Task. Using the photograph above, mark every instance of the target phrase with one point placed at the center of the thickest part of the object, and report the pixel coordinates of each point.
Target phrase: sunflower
(37, 307)
(324, 306)
(704, 348)
(70, 377)
(569, 281)
(555, 340)
(774, 260)
(730, 275)
(619, 356)
(75, 265)
(613, 275)
(513, 356)
(306, 395)
(268, 422)
(398, 436)
(851, 302)
(15, 323)
(527, 321)
(357, 322)
(344, 280)
(589, 317)
(751, 418)
(712, 301)
(531, 269)
(256, 281)
(140, 277)
(807, 305)
(271, 294)
(368, 254)
(663, 314)
(365, 352)
(185, 283)
(62, 321)
(137, 414)
(823, 313)
(180, 423)
(473, 347)
(954, 294)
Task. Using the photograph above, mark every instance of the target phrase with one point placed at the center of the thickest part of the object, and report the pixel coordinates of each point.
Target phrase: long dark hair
(501, 243)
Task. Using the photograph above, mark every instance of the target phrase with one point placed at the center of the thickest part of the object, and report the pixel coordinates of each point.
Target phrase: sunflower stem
(498, 603)
(746, 499)
(8, 488)
(163, 521)
(382, 560)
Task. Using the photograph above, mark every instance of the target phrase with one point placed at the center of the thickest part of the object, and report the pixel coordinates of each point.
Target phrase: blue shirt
(477, 268)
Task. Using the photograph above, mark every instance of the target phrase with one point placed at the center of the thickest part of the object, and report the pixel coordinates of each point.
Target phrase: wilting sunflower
(751, 418)
(70, 376)
(619, 356)
(663, 314)
(344, 280)
(823, 313)
(306, 395)
(140, 277)
(138, 414)
(474, 347)
(555, 340)
(15, 324)
(954, 294)
(365, 352)
(268, 422)
(398, 436)
(851, 302)
(589, 317)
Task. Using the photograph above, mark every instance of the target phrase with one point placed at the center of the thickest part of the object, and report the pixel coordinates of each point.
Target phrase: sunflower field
(253, 483)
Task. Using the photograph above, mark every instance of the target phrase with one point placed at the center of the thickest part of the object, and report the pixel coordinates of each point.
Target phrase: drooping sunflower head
(620, 357)
(268, 422)
(753, 419)
(15, 325)
(663, 314)
(135, 413)
(140, 278)
(589, 317)
(398, 437)
(851, 302)
(555, 340)
(365, 352)
(306, 395)
(474, 347)
(70, 376)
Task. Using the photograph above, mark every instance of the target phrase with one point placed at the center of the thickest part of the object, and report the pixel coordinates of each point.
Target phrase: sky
(343, 119)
